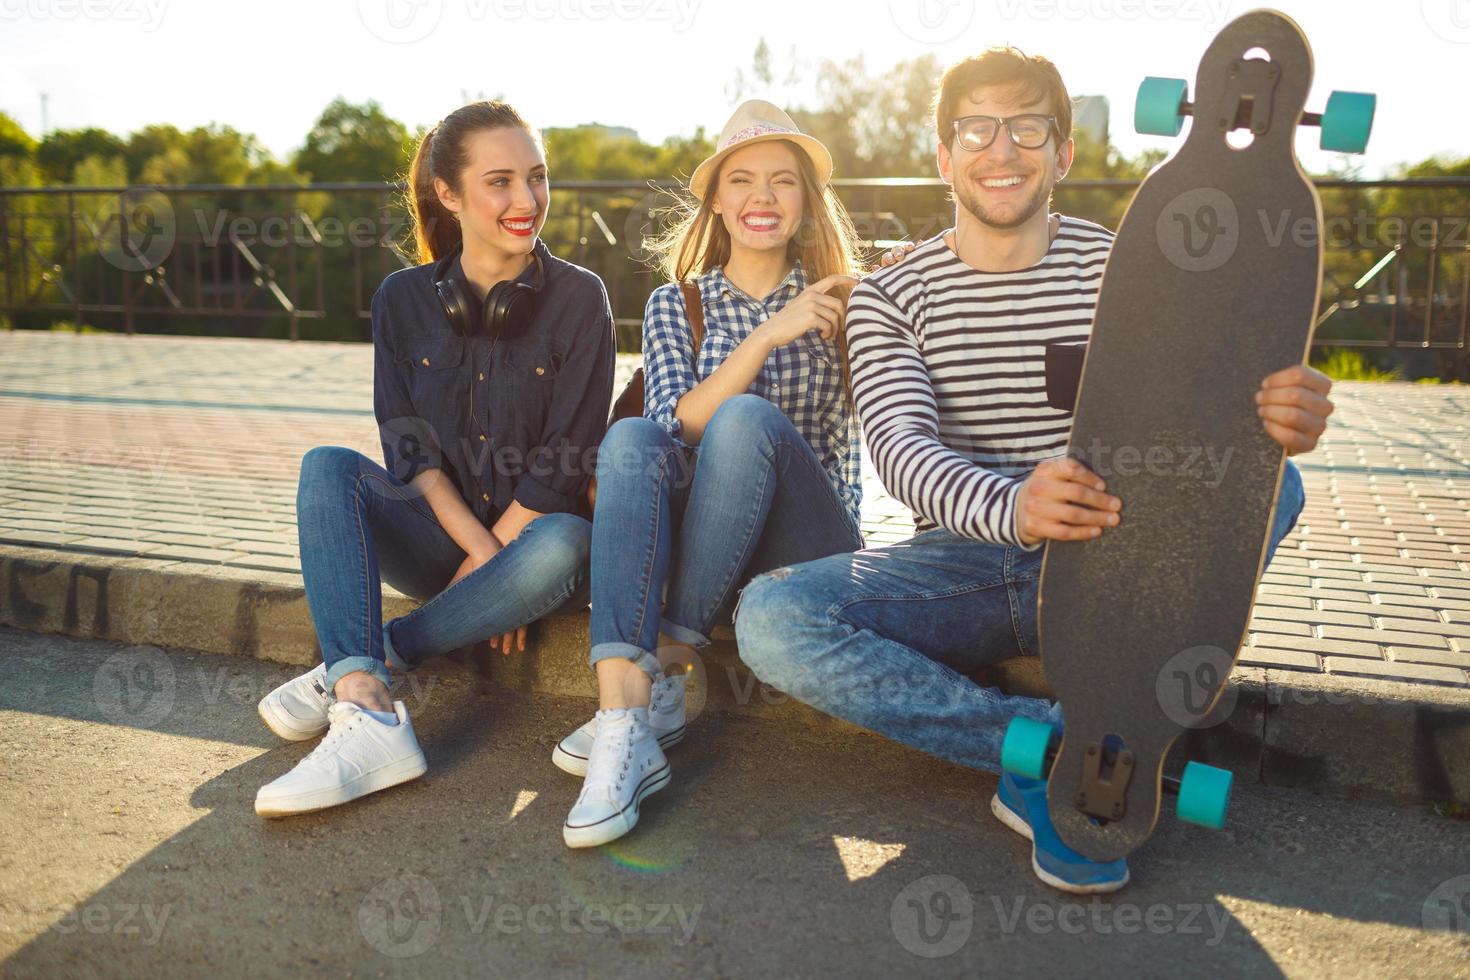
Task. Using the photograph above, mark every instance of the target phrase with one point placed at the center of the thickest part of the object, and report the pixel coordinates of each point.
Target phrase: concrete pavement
(783, 851)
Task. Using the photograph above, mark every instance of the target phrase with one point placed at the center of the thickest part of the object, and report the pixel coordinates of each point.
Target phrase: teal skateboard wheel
(1157, 109)
(1024, 750)
(1347, 121)
(1204, 795)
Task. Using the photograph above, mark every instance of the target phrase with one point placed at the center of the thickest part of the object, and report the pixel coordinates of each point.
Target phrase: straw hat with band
(758, 121)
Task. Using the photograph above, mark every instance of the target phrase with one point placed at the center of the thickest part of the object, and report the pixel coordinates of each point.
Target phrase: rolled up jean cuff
(683, 634)
(390, 655)
(642, 659)
(348, 665)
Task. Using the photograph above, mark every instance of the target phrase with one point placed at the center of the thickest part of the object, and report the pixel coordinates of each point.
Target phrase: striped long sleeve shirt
(948, 372)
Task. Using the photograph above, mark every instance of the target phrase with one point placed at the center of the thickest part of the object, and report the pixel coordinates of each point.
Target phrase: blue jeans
(355, 521)
(699, 522)
(883, 638)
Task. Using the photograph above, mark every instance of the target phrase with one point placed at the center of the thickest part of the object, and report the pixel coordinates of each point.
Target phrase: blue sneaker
(1020, 804)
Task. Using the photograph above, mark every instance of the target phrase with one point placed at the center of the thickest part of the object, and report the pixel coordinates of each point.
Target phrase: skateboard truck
(1030, 749)
(1106, 771)
(1250, 93)
(1161, 106)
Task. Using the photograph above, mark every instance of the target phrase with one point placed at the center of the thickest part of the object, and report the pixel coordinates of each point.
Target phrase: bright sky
(664, 66)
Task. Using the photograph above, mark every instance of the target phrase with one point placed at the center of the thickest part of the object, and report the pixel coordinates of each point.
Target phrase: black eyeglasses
(1029, 130)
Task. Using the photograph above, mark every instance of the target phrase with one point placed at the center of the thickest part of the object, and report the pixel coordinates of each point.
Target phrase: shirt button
(540, 370)
(484, 496)
(482, 378)
(482, 438)
(426, 362)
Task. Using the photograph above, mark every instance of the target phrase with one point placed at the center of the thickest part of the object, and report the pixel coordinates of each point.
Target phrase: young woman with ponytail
(492, 380)
(746, 458)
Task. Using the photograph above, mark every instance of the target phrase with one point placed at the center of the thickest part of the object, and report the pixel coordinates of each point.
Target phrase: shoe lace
(342, 717)
(609, 761)
(665, 691)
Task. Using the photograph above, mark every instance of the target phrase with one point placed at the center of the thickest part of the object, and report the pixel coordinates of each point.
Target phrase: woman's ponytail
(435, 231)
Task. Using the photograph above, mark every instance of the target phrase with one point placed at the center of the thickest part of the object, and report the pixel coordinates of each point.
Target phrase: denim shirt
(518, 419)
(803, 378)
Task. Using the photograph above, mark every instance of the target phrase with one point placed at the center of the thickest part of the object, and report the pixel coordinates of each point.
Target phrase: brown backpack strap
(694, 309)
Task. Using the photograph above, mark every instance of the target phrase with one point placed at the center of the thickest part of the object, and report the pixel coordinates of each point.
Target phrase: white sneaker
(665, 717)
(297, 710)
(360, 755)
(625, 765)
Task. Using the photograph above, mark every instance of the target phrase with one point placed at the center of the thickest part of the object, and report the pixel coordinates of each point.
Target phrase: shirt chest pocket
(531, 371)
(433, 365)
(713, 349)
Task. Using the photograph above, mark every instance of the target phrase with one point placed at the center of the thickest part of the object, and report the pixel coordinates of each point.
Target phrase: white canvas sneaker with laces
(625, 766)
(297, 710)
(665, 716)
(359, 755)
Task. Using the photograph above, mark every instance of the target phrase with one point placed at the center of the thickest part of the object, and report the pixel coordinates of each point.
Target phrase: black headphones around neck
(508, 308)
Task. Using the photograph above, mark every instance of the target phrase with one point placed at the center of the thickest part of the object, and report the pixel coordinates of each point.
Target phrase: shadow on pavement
(771, 852)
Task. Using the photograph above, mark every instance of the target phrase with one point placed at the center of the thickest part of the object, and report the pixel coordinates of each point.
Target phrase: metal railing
(259, 260)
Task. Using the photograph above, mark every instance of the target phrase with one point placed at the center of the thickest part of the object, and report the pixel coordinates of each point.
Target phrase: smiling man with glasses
(948, 355)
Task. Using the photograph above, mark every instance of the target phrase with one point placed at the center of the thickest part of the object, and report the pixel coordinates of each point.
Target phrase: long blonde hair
(825, 242)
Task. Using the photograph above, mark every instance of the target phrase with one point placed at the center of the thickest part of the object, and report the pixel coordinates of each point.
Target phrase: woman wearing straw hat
(745, 459)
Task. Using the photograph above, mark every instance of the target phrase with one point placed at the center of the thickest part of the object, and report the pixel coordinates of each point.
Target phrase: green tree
(222, 154)
(875, 125)
(169, 167)
(352, 142)
(213, 154)
(1442, 202)
(61, 151)
(594, 152)
(758, 81)
(678, 155)
(151, 141)
(101, 171)
(14, 140)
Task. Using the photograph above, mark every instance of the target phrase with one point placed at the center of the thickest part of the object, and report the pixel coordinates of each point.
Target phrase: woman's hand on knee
(477, 557)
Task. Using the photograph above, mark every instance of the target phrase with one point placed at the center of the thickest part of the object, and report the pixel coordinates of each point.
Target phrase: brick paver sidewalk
(186, 450)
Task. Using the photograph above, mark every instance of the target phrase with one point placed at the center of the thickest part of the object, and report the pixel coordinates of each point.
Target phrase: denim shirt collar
(714, 284)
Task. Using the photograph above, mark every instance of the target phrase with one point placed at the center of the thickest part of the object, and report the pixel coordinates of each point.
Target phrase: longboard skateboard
(1211, 285)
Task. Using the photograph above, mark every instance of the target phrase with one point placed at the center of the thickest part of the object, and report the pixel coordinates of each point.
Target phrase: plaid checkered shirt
(803, 378)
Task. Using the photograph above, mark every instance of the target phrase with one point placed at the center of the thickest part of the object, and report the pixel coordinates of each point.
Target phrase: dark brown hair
(1030, 78)
(441, 153)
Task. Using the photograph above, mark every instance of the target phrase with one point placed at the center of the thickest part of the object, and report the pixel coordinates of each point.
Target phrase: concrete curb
(1339, 735)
